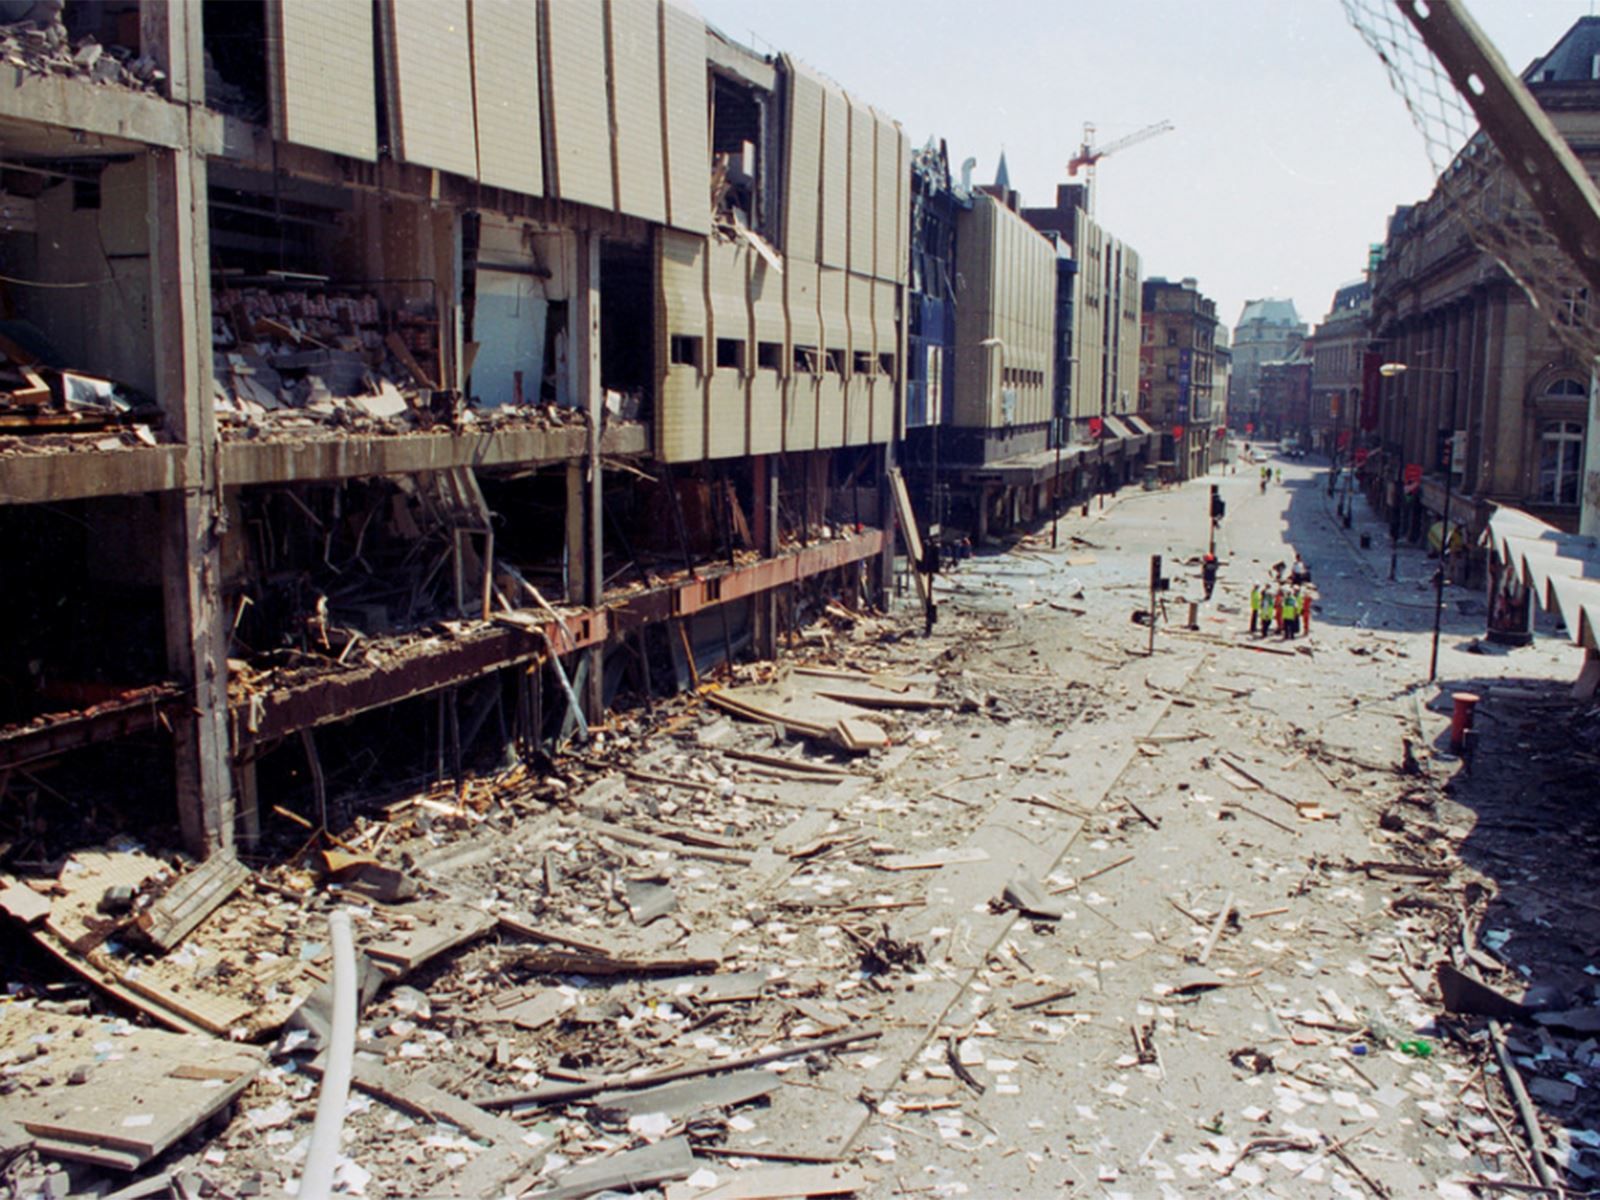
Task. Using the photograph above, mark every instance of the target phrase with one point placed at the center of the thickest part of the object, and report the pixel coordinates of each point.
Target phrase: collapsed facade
(406, 400)
(372, 417)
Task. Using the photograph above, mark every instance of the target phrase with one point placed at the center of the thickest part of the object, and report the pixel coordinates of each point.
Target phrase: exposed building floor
(1242, 863)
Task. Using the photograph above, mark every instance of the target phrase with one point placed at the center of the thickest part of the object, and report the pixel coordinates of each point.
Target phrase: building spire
(1002, 177)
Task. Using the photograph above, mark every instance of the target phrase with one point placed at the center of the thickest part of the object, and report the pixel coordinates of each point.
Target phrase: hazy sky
(1290, 148)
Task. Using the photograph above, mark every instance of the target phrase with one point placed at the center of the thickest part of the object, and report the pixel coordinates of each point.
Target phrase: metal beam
(1556, 182)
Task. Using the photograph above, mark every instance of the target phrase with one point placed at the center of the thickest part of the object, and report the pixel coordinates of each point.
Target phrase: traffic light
(1157, 582)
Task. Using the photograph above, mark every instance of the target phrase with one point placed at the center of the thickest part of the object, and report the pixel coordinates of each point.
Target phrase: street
(1089, 921)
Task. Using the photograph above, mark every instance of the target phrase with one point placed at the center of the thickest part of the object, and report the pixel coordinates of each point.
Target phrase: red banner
(1249, 426)
(1096, 427)
(1177, 433)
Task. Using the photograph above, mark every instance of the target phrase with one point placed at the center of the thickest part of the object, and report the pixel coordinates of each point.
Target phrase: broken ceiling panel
(634, 44)
(428, 72)
(323, 84)
(505, 80)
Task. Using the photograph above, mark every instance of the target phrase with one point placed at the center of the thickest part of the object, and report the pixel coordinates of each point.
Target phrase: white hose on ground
(316, 1182)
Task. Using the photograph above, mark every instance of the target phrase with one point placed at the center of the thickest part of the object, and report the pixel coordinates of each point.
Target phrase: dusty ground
(1235, 991)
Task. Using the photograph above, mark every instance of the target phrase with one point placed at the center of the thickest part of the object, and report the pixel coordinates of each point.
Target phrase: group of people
(1283, 603)
(1266, 477)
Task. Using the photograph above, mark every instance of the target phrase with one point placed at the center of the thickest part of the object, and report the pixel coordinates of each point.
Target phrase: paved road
(1215, 798)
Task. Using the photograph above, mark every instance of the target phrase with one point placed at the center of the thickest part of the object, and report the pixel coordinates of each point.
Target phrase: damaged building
(364, 403)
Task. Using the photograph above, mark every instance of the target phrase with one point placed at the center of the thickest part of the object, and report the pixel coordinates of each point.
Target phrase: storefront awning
(1560, 570)
(1131, 440)
(1139, 425)
(1115, 428)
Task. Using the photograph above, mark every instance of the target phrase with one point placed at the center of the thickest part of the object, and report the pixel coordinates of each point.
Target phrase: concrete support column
(192, 519)
(883, 583)
(586, 391)
(764, 609)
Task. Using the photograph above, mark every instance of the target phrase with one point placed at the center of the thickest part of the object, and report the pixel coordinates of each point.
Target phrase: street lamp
(1389, 370)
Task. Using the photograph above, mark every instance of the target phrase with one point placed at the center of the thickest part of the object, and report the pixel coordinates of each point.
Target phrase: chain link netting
(1475, 189)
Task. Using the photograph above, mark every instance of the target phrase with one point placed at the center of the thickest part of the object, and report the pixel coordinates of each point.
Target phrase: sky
(1290, 148)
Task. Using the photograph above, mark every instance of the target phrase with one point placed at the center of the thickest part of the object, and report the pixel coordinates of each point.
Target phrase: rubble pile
(39, 44)
(292, 360)
(898, 914)
(36, 397)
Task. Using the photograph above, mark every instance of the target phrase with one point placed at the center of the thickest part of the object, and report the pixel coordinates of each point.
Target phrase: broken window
(807, 360)
(744, 184)
(769, 356)
(684, 350)
(235, 34)
(835, 361)
(863, 362)
(730, 355)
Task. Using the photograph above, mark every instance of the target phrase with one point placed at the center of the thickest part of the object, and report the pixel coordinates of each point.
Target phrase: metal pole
(1055, 489)
(1444, 534)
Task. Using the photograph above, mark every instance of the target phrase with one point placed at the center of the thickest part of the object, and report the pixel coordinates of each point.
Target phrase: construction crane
(1089, 154)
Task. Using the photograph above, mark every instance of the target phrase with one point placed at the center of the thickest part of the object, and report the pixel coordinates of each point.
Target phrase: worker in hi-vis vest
(1255, 606)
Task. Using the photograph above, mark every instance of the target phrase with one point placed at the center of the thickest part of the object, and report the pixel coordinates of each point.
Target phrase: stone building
(1488, 393)
(1268, 331)
(1178, 374)
(1337, 346)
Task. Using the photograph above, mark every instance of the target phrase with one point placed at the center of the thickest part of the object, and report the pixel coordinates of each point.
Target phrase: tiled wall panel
(579, 121)
(635, 48)
(863, 186)
(680, 420)
(323, 81)
(805, 104)
(834, 177)
(683, 90)
(505, 82)
(428, 70)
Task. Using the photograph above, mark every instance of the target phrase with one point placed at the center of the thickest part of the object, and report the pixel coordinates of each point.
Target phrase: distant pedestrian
(1291, 615)
(1299, 573)
(1305, 611)
(1280, 474)
(1208, 573)
(1255, 607)
(1277, 609)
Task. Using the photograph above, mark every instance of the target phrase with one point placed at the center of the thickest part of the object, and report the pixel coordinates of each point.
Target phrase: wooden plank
(906, 522)
(775, 1183)
(191, 900)
(678, 1100)
(154, 1089)
(629, 1171)
(22, 903)
(929, 860)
